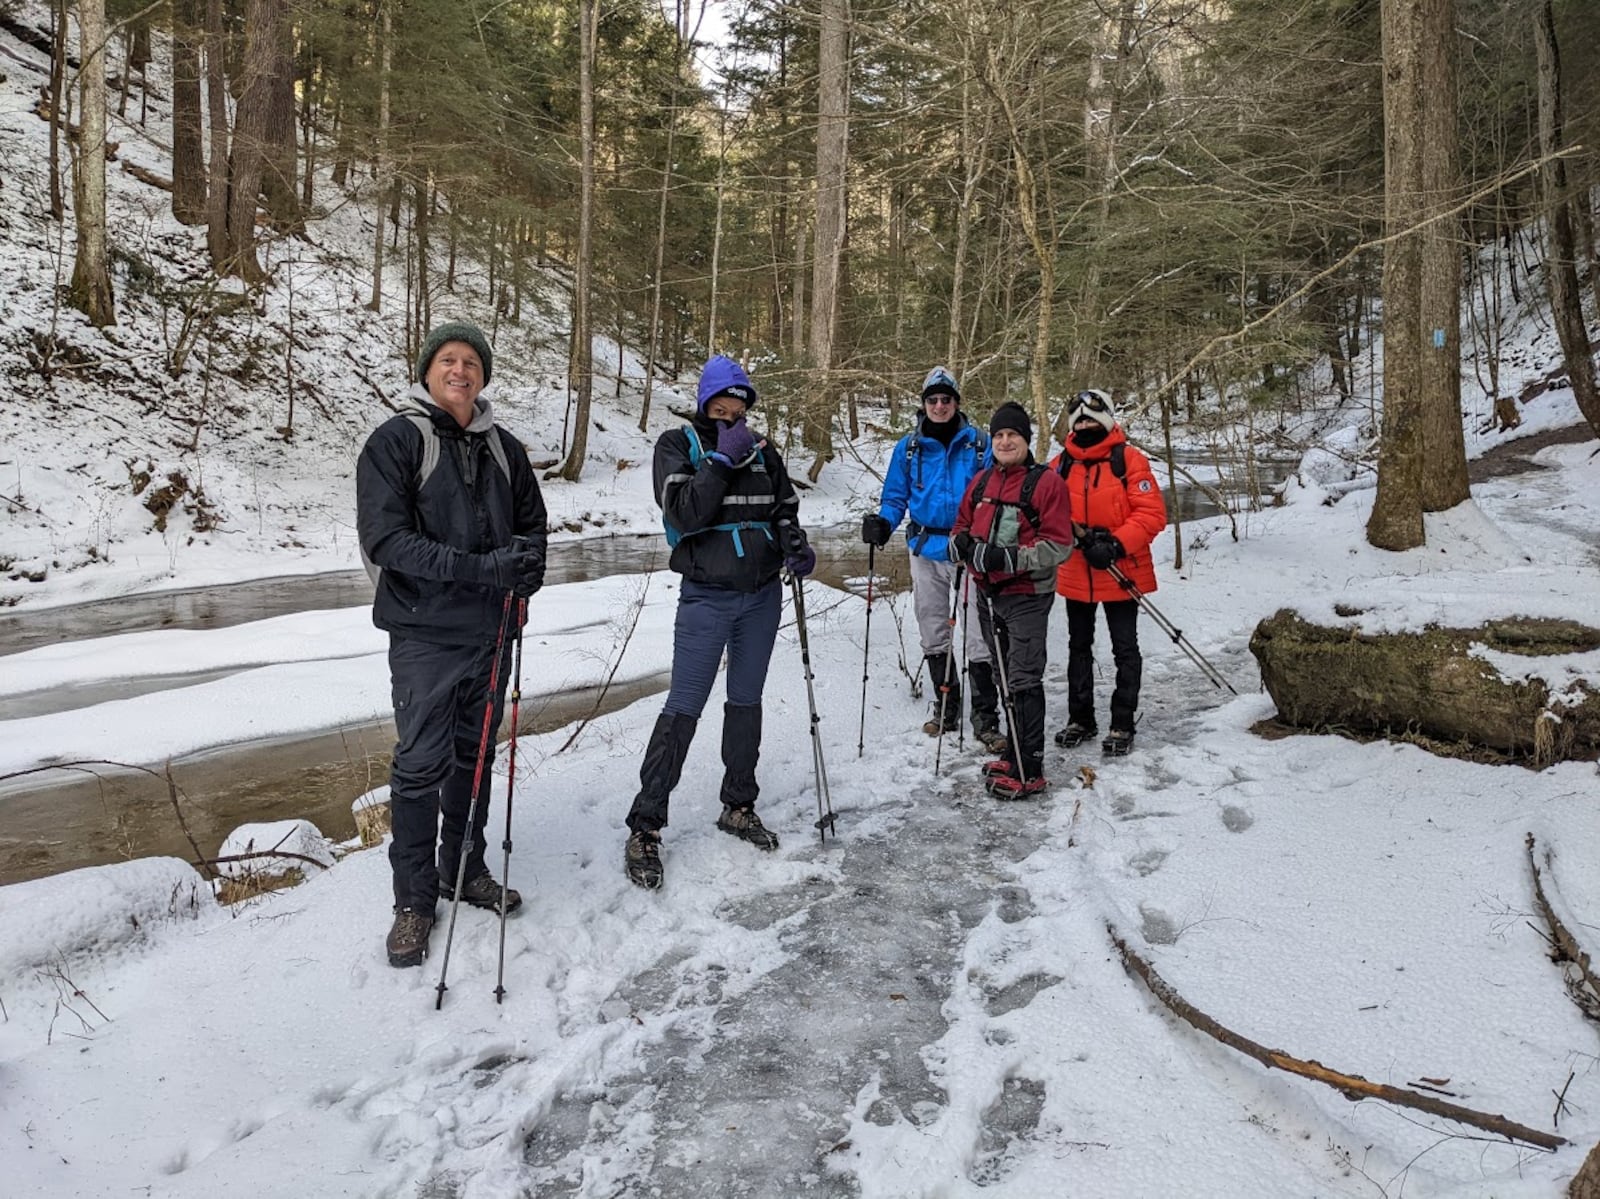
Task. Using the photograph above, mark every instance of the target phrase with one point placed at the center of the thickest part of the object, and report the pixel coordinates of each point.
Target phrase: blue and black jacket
(726, 517)
(926, 480)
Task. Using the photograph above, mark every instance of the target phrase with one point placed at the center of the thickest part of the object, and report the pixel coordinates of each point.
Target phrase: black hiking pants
(440, 692)
(1122, 620)
(1015, 628)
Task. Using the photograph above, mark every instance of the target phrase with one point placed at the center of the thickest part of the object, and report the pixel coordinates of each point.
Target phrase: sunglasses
(939, 397)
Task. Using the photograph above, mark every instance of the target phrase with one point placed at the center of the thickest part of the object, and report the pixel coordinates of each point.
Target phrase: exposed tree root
(1352, 1086)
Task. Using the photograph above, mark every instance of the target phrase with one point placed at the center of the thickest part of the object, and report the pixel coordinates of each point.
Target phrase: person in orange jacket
(1117, 511)
(1013, 529)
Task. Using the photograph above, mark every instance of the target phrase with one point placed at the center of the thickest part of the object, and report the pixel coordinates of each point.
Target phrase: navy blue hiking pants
(439, 696)
(711, 619)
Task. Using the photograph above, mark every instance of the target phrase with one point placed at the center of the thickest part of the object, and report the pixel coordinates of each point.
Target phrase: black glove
(875, 530)
(996, 559)
(1101, 549)
(517, 568)
(791, 538)
(961, 546)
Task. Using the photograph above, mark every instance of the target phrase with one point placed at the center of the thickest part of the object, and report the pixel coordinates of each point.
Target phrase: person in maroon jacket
(1013, 530)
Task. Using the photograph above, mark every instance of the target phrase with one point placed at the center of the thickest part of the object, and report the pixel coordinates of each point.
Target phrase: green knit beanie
(454, 331)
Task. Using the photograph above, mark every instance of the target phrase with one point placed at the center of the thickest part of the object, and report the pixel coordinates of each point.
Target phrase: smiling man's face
(454, 379)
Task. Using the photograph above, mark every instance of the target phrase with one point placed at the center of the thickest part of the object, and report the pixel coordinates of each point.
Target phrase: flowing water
(62, 821)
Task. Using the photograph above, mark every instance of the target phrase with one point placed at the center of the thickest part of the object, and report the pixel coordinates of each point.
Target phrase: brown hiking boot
(407, 942)
(746, 825)
(642, 860)
(484, 892)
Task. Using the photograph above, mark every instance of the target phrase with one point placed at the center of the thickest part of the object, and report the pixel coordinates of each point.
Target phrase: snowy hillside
(118, 473)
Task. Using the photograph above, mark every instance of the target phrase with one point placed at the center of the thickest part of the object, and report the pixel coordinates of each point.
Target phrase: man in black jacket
(452, 526)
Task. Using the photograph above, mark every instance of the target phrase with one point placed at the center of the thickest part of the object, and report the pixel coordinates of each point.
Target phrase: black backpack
(1024, 502)
(1118, 456)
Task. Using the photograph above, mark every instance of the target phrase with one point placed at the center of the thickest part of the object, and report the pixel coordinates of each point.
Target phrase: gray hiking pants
(932, 593)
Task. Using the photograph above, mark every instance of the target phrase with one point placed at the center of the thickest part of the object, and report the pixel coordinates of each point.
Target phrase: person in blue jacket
(928, 474)
(733, 522)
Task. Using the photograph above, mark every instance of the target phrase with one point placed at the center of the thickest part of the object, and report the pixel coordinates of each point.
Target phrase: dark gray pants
(440, 692)
(1016, 628)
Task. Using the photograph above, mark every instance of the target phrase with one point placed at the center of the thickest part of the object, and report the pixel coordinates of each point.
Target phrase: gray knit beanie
(454, 331)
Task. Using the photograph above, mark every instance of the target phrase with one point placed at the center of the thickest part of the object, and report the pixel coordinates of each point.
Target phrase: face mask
(1093, 435)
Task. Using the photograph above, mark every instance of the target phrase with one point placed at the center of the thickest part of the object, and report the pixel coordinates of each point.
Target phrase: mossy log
(1430, 684)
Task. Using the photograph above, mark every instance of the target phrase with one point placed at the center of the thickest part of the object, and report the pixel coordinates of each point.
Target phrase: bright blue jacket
(926, 481)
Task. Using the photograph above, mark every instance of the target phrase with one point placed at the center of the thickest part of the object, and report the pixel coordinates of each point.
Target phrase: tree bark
(833, 140)
(91, 271)
(58, 103)
(1566, 301)
(188, 147)
(582, 368)
(252, 118)
(380, 169)
(1396, 519)
(217, 114)
(1444, 481)
(279, 153)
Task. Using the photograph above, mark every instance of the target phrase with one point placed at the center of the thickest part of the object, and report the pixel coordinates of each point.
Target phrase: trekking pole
(866, 648)
(1162, 622)
(1170, 630)
(1005, 690)
(472, 808)
(825, 822)
(511, 786)
(949, 669)
(964, 586)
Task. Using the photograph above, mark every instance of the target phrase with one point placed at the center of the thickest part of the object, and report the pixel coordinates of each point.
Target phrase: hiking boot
(1009, 787)
(1000, 767)
(642, 860)
(484, 892)
(1117, 743)
(992, 739)
(1075, 734)
(407, 942)
(746, 825)
(947, 718)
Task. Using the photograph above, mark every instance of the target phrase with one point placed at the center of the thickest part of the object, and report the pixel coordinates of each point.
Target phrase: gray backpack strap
(430, 446)
(497, 447)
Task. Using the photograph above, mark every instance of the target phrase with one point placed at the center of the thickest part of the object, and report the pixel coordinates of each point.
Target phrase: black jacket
(695, 501)
(420, 536)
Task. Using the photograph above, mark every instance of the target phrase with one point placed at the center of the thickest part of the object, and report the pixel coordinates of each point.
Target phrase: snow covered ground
(929, 1004)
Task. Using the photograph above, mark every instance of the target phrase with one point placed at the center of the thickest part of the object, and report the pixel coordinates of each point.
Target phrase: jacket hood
(723, 375)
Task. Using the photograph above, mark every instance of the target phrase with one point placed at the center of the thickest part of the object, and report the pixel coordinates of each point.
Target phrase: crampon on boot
(1117, 743)
(1009, 787)
(1075, 734)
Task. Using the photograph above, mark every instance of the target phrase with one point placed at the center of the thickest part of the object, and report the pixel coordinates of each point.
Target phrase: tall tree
(833, 140)
(1444, 481)
(217, 246)
(1566, 301)
(1396, 519)
(188, 151)
(582, 368)
(380, 170)
(91, 270)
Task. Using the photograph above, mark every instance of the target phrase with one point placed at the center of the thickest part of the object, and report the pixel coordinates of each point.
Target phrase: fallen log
(1351, 1086)
(1436, 684)
(1564, 948)
(145, 175)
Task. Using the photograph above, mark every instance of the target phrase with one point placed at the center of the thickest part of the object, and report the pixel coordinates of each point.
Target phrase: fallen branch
(600, 699)
(172, 793)
(225, 859)
(1352, 1086)
(1564, 946)
(145, 175)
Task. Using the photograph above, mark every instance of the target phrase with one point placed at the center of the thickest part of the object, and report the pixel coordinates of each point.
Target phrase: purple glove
(735, 442)
(802, 562)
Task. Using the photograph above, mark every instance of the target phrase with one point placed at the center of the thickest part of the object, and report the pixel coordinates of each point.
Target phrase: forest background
(1189, 202)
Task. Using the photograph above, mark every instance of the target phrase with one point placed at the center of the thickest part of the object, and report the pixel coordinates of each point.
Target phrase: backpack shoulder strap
(1025, 501)
(1119, 460)
(430, 446)
(697, 452)
(497, 449)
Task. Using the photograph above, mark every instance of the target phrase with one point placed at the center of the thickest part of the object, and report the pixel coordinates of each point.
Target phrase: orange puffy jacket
(1131, 508)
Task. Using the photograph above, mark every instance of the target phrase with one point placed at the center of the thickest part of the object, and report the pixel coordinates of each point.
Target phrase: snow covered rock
(95, 912)
(283, 845)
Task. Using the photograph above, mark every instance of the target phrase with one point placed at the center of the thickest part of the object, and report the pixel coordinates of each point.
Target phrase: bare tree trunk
(59, 99)
(217, 114)
(1566, 301)
(716, 230)
(1396, 519)
(582, 370)
(833, 139)
(278, 151)
(188, 147)
(380, 169)
(1444, 482)
(91, 271)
